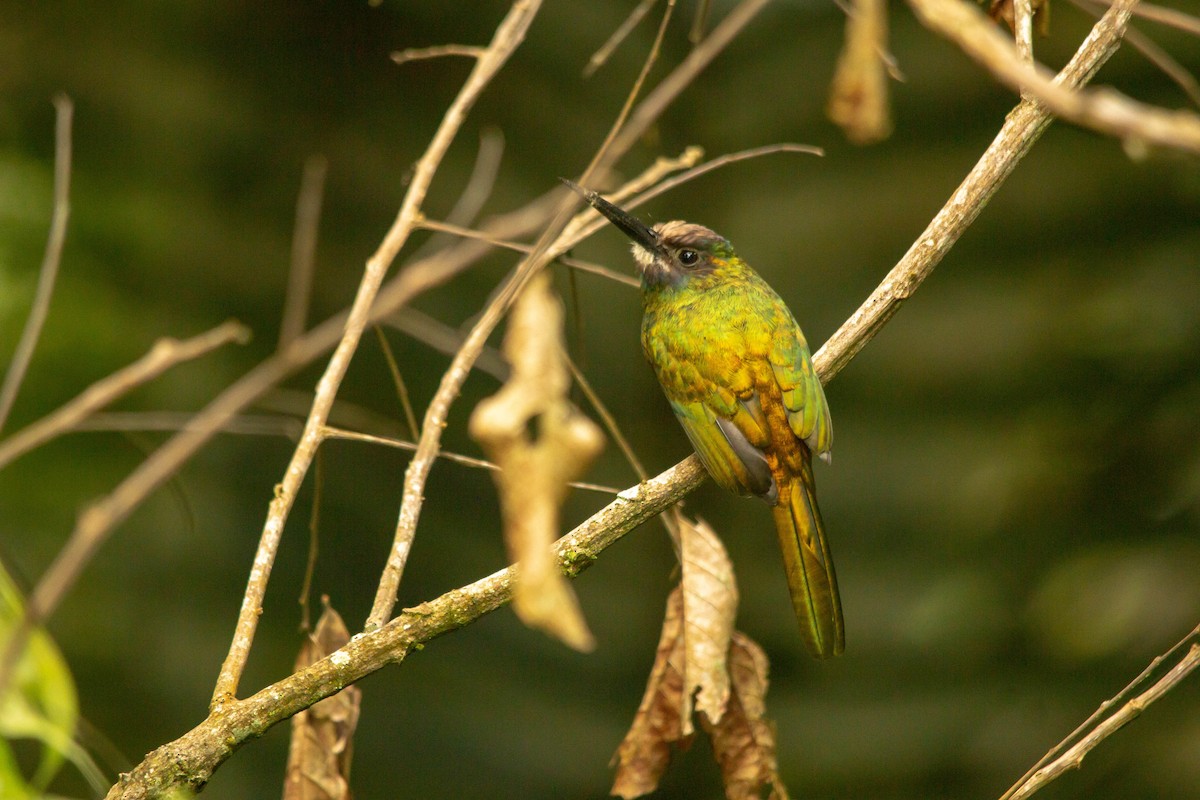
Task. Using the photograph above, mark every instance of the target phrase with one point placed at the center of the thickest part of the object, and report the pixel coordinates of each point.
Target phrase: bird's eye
(689, 258)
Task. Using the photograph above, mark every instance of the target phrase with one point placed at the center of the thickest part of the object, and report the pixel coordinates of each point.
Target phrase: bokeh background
(1013, 505)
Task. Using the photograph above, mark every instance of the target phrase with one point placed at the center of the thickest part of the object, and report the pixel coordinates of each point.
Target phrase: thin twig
(398, 381)
(601, 56)
(304, 249)
(1105, 110)
(1170, 17)
(165, 353)
(438, 51)
(566, 261)
(602, 156)
(1073, 757)
(474, 195)
(468, 461)
(1150, 49)
(40, 307)
(509, 34)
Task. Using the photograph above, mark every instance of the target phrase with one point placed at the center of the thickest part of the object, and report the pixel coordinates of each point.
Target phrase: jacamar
(738, 375)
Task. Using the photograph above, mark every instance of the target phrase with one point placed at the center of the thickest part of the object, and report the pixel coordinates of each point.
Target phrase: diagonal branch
(508, 36)
(1105, 110)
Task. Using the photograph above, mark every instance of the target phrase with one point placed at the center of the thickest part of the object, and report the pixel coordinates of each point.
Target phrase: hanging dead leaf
(660, 720)
(710, 601)
(318, 765)
(541, 443)
(858, 98)
(743, 740)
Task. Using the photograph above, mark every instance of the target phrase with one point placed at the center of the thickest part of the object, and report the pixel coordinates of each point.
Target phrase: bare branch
(191, 759)
(1105, 110)
(304, 249)
(1047, 770)
(600, 57)
(165, 353)
(438, 51)
(509, 34)
(64, 111)
(1021, 129)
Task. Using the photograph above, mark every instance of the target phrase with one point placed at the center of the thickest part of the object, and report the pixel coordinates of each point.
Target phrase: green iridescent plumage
(737, 373)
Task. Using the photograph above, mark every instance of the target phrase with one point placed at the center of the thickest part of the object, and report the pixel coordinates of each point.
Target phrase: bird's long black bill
(630, 225)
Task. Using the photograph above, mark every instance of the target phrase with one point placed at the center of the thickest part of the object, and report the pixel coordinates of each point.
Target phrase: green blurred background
(1015, 498)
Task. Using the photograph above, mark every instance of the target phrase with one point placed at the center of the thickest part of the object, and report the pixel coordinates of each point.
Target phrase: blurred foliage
(1015, 501)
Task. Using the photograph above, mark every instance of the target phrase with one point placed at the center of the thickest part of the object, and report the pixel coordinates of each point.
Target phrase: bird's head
(669, 253)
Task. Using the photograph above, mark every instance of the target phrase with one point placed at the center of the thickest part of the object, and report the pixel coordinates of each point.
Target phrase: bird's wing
(800, 389)
(729, 445)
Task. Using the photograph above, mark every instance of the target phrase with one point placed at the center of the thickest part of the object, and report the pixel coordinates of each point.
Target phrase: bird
(737, 372)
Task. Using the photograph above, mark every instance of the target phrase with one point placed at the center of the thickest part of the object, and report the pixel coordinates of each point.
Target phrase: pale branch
(165, 354)
(509, 35)
(1105, 110)
(1023, 126)
(437, 51)
(304, 250)
(559, 236)
(40, 307)
(1073, 757)
(191, 760)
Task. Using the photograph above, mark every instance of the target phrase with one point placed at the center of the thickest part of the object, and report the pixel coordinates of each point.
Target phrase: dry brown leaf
(744, 740)
(323, 736)
(646, 749)
(710, 601)
(541, 443)
(858, 99)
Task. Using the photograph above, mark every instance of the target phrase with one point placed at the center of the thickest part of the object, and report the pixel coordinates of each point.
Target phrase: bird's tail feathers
(810, 576)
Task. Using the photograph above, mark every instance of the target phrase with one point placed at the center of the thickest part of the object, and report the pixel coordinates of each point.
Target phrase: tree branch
(192, 759)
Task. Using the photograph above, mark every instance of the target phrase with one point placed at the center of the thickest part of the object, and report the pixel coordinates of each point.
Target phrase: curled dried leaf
(858, 99)
(710, 601)
(541, 443)
(743, 740)
(323, 736)
(661, 718)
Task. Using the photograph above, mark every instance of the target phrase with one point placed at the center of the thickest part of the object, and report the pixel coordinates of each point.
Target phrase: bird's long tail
(809, 567)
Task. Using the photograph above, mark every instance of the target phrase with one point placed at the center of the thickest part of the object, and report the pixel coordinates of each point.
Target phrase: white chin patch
(643, 257)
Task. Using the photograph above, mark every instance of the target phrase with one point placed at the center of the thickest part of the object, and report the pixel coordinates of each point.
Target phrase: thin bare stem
(1105, 110)
(601, 56)
(467, 461)
(1157, 56)
(64, 111)
(651, 57)
(1171, 17)
(165, 353)
(518, 247)
(610, 422)
(509, 34)
(438, 51)
(1073, 757)
(398, 381)
(304, 249)
(671, 86)
(478, 190)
